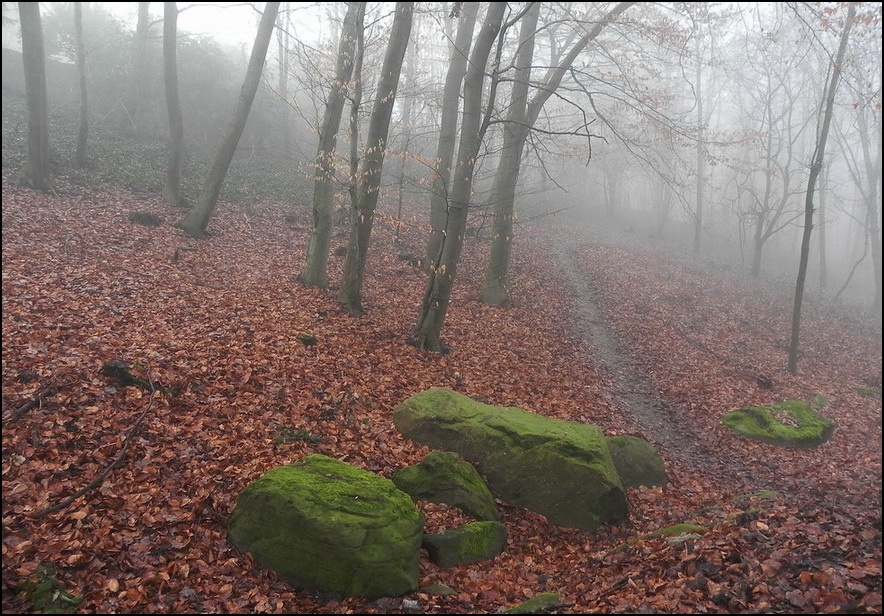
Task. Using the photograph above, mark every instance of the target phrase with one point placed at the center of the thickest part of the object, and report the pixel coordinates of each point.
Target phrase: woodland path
(665, 425)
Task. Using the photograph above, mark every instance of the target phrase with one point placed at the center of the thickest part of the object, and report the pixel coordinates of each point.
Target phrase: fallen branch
(34, 402)
(107, 471)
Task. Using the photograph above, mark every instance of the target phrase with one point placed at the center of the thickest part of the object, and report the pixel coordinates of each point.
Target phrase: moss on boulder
(468, 544)
(539, 603)
(326, 525)
(637, 462)
(558, 468)
(792, 423)
(445, 477)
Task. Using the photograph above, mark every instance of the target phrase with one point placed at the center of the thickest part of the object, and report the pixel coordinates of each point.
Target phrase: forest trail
(665, 425)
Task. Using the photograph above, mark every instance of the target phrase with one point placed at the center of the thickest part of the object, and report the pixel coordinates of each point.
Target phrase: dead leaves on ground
(222, 328)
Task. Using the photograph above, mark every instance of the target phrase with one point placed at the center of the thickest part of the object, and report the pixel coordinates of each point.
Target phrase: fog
(688, 127)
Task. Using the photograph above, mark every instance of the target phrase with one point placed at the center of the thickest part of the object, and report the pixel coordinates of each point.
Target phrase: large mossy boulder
(558, 468)
(792, 423)
(637, 462)
(326, 525)
(471, 543)
(445, 477)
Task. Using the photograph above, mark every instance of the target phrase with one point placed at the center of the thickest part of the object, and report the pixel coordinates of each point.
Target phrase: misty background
(686, 126)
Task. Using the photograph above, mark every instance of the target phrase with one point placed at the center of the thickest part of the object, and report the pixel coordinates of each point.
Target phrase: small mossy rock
(445, 477)
(471, 543)
(637, 462)
(560, 469)
(792, 423)
(326, 525)
(536, 604)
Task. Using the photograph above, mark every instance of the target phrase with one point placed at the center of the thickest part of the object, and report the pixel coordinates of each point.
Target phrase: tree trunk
(503, 192)
(872, 166)
(457, 68)
(427, 334)
(316, 267)
(137, 92)
(196, 222)
(494, 288)
(815, 168)
(285, 22)
(36, 169)
(80, 158)
(172, 187)
(373, 163)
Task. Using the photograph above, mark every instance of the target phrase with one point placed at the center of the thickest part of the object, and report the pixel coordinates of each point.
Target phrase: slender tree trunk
(373, 163)
(701, 161)
(172, 187)
(516, 133)
(457, 68)
(285, 22)
(503, 192)
(81, 158)
(196, 222)
(138, 88)
(427, 334)
(872, 164)
(36, 169)
(822, 234)
(815, 169)
(316, 267)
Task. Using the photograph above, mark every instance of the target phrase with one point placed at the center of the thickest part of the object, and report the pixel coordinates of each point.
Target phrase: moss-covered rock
(637, 462)
(792, 423)
(560, 469)
(470, 543)
(326, 525)
(445, 477)
(536, 604)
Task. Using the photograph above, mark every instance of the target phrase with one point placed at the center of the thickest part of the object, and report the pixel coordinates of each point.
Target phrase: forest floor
(611, 333)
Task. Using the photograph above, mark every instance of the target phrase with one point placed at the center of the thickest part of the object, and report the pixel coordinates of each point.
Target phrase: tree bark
(316, 267)
(503, 193)
(80, 157)
(172, 187)
(494, 289)
(137, 92)
(427, 334)
(36, 168)
(196, 222)
(457, 68)
(815, 169)
(373, 162)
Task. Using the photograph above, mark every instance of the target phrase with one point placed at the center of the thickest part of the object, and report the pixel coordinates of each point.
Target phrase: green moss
(445, 477)
(871, 392)
(321, 523)
(560, 469)
(471, 543)
(479, 539)
(536, 604)
(675, 530)
(792, 423)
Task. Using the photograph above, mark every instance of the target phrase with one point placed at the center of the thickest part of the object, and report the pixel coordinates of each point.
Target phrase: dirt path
(662, 424)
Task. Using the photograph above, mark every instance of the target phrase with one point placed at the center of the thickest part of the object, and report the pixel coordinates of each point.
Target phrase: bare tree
(816, 166)
(36, 169)
(316, 267)
(427, 334)
(494, 287)
(172, 187)
(362, 217)
(80, 158)
(196, 222)
(137, 91)
(457, 68)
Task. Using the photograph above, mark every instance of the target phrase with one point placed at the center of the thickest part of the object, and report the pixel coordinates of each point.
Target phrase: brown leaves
(220, 329)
